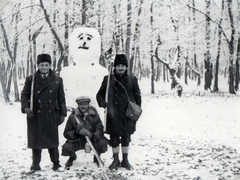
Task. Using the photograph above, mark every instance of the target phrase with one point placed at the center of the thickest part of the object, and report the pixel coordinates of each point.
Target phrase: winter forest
(170, 41)
(185, 54)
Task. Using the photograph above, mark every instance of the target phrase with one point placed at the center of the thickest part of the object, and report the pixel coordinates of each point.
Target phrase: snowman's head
(85, 46)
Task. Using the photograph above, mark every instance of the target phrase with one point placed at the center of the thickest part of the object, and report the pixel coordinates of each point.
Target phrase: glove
(29, 112)
(104, 104)
(85, 132)
(61, 120)
(79, 127)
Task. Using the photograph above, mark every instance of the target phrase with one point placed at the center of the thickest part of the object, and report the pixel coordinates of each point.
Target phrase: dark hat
(120, 59)
(44, 58)
(83, 99)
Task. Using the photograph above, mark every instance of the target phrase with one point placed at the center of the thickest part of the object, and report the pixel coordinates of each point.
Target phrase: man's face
(44, 67)
(121, 69)
(83, 106)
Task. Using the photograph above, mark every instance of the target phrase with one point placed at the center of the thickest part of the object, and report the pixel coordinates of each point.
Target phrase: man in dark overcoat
(85, 121)
(118, 125)
(48, 112)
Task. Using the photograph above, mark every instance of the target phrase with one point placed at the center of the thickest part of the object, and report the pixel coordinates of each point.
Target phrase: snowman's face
(84, 45)
(84, 40)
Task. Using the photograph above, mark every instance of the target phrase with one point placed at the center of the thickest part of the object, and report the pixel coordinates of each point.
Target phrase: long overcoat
(117, 122)
(48, 105)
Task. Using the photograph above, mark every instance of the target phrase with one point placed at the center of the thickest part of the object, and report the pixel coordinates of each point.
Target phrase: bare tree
(60, 45)
(12, 54)
(207, 55)
(135, 50)
(231, 48)
(151, 51)
(215, 87)
(129, 33)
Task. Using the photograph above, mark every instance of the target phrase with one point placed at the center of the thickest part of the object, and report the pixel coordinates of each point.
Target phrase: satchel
(134, 111)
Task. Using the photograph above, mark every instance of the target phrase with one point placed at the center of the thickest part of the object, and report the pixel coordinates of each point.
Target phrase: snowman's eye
(89, 38)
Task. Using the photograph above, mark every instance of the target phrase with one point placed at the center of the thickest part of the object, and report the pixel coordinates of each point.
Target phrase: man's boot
(116, 163)
(36, 158)
(96, 161)
(125, 163)
(69, 162)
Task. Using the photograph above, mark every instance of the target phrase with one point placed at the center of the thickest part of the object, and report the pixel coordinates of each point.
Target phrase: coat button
(38, 92)
(39, 101)
(50, 91)
(39, 111)
(50, 101)
(49, 111)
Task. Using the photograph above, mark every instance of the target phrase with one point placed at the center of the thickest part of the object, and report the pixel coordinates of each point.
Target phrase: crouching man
(88, 123)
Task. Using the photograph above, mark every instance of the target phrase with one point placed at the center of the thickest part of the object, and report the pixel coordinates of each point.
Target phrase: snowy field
(195, 137)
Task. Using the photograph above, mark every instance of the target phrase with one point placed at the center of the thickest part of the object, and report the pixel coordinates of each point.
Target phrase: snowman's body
(85, 75)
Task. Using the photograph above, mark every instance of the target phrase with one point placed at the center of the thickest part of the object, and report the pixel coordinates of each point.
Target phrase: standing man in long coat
(49, 111)
(118, 125)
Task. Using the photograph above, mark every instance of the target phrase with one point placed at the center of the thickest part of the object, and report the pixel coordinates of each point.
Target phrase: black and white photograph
(120, 89)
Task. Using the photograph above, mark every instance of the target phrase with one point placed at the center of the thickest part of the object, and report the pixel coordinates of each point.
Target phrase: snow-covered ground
(194, 137)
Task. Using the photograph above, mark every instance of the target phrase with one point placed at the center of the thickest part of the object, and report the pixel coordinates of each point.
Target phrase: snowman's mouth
(83, 47)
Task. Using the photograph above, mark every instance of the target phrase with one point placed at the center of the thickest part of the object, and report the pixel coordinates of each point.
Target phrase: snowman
(84, 76)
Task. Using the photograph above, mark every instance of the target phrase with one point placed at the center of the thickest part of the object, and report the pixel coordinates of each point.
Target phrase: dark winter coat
(48, 105)
(117, 121)
(92, 123)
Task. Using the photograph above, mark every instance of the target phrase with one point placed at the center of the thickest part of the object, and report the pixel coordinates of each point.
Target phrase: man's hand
(61, 120)
(79, 127)
(29, 112)
(104, 104)
(85, 132)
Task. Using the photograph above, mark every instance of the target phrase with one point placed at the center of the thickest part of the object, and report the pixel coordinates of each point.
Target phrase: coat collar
(49, 81)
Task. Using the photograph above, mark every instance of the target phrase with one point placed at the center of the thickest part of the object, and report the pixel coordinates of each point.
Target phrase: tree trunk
(117, 34)
(237, 65)
(136, 36)
(151, 44)
(14, 63)
(207, 56)
(215, 87)
(84, 14)
(129, 33)
(65, 61)
(3, 80)
(231, 49)
(186, 73)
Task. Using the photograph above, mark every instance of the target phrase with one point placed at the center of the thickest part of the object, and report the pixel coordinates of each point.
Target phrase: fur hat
(44, 58)
(83, 99)
(120, 59)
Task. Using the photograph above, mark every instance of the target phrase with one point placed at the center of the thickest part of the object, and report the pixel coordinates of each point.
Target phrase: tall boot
(116, 163)
(69, 162)
(125, 163)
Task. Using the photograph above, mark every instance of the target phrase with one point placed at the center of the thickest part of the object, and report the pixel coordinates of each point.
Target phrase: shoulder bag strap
(123, 88)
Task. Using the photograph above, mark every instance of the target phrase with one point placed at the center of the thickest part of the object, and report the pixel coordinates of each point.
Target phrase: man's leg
(100, 147)
(68, 149)
(115, 141)
(125, 147)
(36, 158)
(54, 156)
